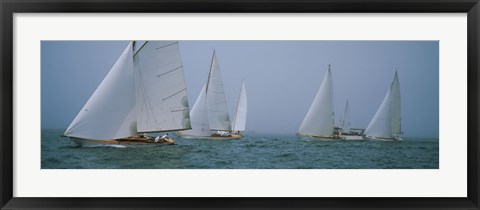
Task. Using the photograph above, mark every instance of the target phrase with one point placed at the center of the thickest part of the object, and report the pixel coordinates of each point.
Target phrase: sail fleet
(145, 92)
(210, 118)
(319, 120)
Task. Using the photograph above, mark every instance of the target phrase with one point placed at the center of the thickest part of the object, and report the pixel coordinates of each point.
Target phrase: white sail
(110, 111)
(346, 120)
(241, 113)
(199, 117)
(219, 118)
(162, 103)
(386, 122)
(319, 120)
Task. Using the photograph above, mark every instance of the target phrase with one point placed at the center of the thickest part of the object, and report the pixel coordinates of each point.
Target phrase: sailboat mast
(210, 72)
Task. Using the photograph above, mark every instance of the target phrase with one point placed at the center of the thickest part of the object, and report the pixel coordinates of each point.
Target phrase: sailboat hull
(123, 141)
(322, 138)
(372, 138)
(352, 137)
(232, 136)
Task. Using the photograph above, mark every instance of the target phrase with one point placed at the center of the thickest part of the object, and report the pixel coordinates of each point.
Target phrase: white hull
(352, 138)
(321, 138)
(371, 138)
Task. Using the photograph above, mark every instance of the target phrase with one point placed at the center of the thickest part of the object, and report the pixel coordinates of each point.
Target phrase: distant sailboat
(386, 125)
(346, 131)
(210, 112)
(319, 121)
(241, 112)
(346, 120)
(143, 93)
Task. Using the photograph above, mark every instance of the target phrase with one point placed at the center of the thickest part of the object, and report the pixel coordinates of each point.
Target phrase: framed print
(239, 105)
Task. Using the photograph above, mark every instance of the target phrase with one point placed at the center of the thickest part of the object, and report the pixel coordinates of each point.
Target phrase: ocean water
(252, 152)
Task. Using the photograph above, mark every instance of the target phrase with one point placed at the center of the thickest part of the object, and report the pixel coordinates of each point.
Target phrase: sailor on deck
(161, 138)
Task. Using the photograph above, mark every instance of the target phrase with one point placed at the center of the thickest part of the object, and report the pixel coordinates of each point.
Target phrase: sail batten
(319, 120)
(174, 94)
(170, 71)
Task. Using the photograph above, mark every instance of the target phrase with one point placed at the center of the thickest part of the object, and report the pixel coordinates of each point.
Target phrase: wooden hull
(372, 138)
(232, 136)
(122, 141)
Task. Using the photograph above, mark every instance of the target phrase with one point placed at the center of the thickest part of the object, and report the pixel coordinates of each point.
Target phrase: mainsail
(162, 103)
(241, 113)
(319, 121)
(386, 122)
(145, 92)
(219, 118)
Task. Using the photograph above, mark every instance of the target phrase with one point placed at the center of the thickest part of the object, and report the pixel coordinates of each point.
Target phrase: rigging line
(184, 89)
(145, 43)
(169, 71)
(210, 72)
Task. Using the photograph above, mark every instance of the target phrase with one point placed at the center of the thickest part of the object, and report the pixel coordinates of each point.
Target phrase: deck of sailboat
(122, 141)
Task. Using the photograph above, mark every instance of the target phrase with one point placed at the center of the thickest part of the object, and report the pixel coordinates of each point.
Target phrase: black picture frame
(10, 7)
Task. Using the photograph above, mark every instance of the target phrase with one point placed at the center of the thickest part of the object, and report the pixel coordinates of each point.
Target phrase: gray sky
(281, 78)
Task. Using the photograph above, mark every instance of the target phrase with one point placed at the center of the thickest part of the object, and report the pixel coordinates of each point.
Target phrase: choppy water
(251, 152)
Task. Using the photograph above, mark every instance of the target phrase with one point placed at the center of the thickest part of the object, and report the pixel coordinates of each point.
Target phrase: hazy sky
(281, 78)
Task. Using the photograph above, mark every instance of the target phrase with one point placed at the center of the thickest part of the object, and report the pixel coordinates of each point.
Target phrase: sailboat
(385, 125)
(345, 126)
(240, 121)
(319, 121)
(346, 131)
(143, 93)
(209, 115)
